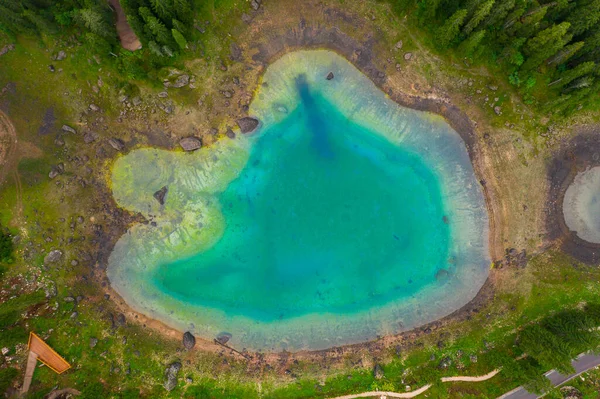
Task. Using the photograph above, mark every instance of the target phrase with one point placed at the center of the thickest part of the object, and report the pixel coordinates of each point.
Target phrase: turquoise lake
(343, 217)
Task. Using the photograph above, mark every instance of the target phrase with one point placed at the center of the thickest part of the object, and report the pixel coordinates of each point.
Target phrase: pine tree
(499, 12)
(427, 10)
(451, 28)
(167, 50)
(530, 22)
(580, 83)
(156, 28)
(12, 20)
(591, 43)
(180, 27)
(94, 21)
(181, 42)
(471, 44)
(513, 17)
(183, 12)
(163, 10)
(479, 15)
(155, 48)
(564, 54)
(585, 17)
(41, 24)
(545, 44)
(569, 75)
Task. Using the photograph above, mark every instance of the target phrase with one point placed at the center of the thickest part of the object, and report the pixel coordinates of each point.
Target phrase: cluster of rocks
(247, 125)
(6, 49)
(513, 258)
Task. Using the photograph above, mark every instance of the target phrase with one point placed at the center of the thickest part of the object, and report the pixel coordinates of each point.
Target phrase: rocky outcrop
(171, 376)
(190, 143)
(189, 341)
(329, 76)
(248, 124)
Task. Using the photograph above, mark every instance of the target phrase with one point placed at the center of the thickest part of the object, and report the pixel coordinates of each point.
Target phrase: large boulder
(117, 144)
(189, 341)
(171, 376)
(53, 256)
(378, 372)
(190, 143)
(181, 81)
(248, 124)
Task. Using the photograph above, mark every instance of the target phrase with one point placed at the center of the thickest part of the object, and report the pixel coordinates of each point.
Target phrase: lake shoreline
(362, 58)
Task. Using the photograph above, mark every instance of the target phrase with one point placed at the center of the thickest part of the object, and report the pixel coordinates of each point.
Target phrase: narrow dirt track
(8, 146)
(472, 379)
(380, 394)
(412, 394)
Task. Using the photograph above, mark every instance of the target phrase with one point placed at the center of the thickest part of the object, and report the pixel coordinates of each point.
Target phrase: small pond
(581, 206)
(343, 217)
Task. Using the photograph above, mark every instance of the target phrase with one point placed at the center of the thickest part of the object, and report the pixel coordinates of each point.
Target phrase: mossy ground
(129, 360)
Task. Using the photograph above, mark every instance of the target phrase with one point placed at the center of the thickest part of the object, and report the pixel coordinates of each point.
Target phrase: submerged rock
(190, 143)
(229, 133)
(54, 256)
(223, 337)
(189, 341)
(171, 376)
(442, 274)
(160, 195)
(329, 76)
(248, 124)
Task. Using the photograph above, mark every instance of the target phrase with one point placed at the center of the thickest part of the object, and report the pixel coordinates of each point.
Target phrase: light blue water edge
(343, 218)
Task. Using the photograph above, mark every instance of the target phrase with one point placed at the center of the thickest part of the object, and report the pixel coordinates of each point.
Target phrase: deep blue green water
(326, 216)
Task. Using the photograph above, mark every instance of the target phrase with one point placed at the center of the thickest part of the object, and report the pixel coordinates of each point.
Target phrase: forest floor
(120, 354)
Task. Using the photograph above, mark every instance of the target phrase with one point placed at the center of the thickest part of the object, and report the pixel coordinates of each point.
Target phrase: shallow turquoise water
(325, 216)
(342, 218)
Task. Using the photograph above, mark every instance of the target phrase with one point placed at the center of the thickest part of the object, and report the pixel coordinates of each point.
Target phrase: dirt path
(8, 146)
(8, 164)
(472, 379)
(381, 394)
(128, 38)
